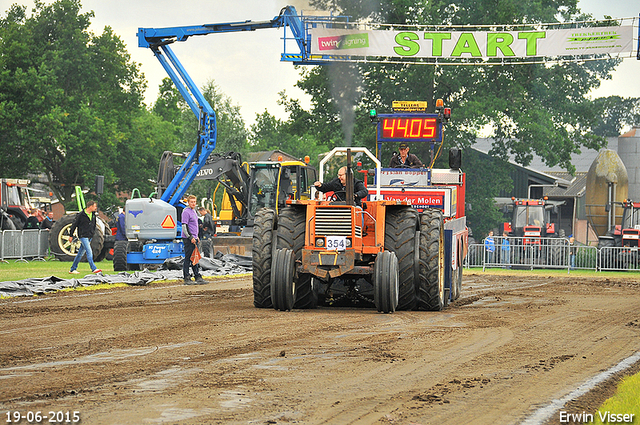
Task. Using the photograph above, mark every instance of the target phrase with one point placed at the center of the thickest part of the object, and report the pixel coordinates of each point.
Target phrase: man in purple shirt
(190, 239)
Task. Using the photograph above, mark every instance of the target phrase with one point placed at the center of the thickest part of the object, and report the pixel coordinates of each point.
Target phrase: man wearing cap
(404, 159)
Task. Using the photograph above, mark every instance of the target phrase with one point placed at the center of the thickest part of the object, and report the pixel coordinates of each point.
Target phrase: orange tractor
(384, 252)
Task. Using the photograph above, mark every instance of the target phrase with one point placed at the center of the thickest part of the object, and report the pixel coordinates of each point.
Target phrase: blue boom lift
(152, 223)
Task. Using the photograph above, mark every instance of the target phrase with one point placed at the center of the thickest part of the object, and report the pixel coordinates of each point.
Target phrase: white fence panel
(547, 253)
(618, 258)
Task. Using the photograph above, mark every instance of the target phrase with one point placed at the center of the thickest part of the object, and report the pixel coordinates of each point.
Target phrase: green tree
(269, 133)
(231, 130)
(68, 98)
(482, 214)
(168, 104)
(179, 119)
(617, 113)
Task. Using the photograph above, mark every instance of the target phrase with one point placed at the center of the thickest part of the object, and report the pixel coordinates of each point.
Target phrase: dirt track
(170, 353)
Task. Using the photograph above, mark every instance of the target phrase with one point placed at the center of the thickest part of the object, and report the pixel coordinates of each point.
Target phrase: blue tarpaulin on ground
(225, 265)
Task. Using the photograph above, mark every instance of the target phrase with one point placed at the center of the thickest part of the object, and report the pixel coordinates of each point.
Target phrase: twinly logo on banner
(474, 44)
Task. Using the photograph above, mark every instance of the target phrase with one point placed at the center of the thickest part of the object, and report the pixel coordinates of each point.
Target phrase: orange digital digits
(409, 128)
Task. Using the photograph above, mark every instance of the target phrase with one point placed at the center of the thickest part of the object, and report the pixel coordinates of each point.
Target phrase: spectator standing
(32, 221)
(208, 226)
(490, 247)
(121, 232)
(572, 252)
(85, 223)
(48, 221)
(190, 228)
(505, 249)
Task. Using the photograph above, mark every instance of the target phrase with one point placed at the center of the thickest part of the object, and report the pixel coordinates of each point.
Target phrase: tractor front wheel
(385, 282)
(262, 252)
(283, 288)
(290, 235)
(120, 251)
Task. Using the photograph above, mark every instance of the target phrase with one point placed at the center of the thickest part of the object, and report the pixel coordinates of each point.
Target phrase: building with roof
(538, 180)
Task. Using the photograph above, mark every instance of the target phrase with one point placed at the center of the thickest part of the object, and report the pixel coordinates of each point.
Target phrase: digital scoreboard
(409, 128)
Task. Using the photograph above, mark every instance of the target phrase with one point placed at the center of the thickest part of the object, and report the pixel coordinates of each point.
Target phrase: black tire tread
(401, 225)
(430, 291)
(261, 251)
(291, 235)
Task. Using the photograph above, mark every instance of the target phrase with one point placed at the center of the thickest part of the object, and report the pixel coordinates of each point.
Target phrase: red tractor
(14, 204)
(625, 235)
(537, 237)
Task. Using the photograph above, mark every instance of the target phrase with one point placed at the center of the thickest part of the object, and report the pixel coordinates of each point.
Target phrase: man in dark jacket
(405, 159)
(32, 221)
(48, 221)
(338, 187)
(85, 224)
(207, 226)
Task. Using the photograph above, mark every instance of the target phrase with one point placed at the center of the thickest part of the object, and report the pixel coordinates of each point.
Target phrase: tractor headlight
(319, 242)
(348, 243)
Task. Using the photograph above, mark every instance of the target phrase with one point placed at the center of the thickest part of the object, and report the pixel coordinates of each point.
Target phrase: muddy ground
(170, 353)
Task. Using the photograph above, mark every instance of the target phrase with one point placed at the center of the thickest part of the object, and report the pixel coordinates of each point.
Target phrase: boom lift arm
(159, 39)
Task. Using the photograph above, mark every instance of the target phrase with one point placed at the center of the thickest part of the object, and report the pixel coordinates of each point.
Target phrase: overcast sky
(246, 66)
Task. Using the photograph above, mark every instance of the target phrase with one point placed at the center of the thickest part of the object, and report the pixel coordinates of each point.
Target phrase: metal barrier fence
(24, 245)
(547, 253)
(618, 258)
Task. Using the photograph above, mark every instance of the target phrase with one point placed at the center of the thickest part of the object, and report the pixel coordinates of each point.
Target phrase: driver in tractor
(404, 159)
(338, 187)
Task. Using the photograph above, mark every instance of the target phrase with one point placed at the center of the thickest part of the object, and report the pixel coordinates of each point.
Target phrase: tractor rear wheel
(431, 294)
(385, 282)
(263, 237)
(290, 235)
(283, 288)
(401, 236)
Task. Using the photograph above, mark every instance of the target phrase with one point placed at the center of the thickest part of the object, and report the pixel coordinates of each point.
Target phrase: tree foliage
(295, 136)
(617, 113)
(70, 101)
(172, 109)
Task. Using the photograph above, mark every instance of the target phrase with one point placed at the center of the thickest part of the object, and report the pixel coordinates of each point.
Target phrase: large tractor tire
(262, 251)
(290, 235)
(609, 257)
(386, 282)
(120, 251)
(431, 294)
(402, 237)
(283, 288)
(65, 250)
